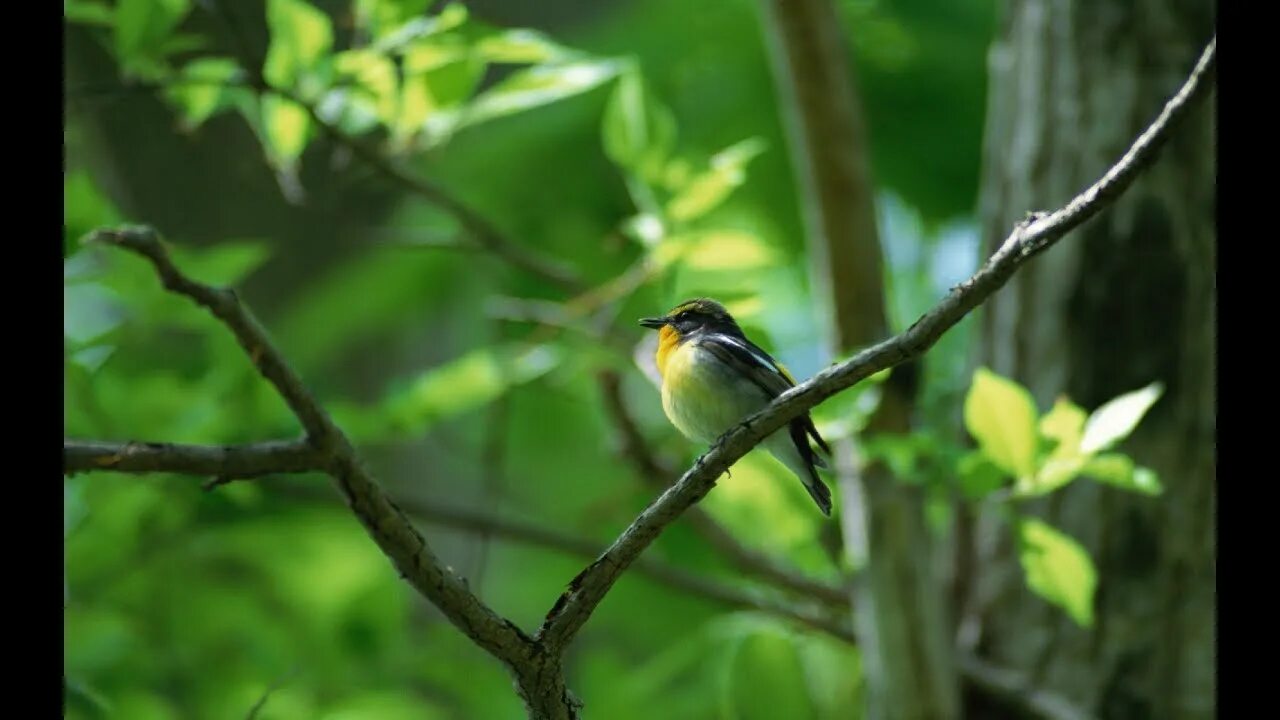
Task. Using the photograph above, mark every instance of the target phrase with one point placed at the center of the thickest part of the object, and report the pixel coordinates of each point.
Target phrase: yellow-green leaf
(1120, 471)
(1064, 423)
(706, 190)
(728, 250)
(1058, 569)
(284, 129)
(1001, 416)
(301, 35)
(1113, 422)
(539, 85)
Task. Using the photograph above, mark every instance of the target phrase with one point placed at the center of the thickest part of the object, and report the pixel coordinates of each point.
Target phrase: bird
(714, 377)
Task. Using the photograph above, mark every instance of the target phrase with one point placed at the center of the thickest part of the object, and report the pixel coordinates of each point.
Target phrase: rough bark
(1131, 302)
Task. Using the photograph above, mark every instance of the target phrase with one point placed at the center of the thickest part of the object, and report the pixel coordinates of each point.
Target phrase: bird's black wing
(768, 374)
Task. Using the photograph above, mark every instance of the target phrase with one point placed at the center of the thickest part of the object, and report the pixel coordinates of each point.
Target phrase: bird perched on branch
(713, 378)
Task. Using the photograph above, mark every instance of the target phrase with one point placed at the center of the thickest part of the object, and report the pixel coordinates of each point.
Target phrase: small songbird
(713, 378)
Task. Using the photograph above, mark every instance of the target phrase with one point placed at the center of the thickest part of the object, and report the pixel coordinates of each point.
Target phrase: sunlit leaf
(205, 87)
(705, 191)
(1064, 423)
(400, 25)
(1113, 422)
(521, 46)
(375, 76)
(1058, 569)
(728, 250)
(1120, 471)
(1001, 416)
(284, 130)
(1053, 474)
(380, 17)
(471, 381)
(638, 131)
(537, 86)
(301, 35)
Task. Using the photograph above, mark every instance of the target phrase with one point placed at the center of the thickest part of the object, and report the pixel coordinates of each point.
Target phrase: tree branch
(388, 527)
(1029, 238)
(226, 461)
(1014, 688)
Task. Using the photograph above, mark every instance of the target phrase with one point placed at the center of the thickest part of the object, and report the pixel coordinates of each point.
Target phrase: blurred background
(611, 159)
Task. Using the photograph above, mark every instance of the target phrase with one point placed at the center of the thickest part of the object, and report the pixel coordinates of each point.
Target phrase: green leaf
(87, 12)
(1113, 422)
(728, 250)
(1120, 471)
(1053, 474)
(300, 36)
(397, 29)
(375, 78)
(979, 477)
(522, 46)
(1065, 424)
(382, 17)
(471, 381)
(141, 27)
(1058, 569)
(204, 88)
(539, 85)
(705, 191)
(638, 131)
(284, 130)
(1001, 416)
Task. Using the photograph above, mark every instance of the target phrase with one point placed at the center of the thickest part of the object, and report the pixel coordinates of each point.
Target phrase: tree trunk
(1128, 303)
(898, 606)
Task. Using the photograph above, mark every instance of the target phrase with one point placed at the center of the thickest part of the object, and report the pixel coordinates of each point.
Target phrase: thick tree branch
(1029, 238)
(388, 527)
(225, 461)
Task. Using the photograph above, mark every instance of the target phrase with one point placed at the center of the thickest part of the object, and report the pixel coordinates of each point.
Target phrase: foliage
(600, 146)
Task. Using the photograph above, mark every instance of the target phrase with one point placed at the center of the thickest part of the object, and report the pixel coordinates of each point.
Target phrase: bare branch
(228, 461)
(1029, 238)
(388, 527)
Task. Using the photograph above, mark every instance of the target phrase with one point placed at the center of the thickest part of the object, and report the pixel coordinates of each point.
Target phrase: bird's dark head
(694, 315)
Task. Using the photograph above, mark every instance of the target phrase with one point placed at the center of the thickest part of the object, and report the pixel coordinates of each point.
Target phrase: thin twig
(228, 461)
(1028, 239)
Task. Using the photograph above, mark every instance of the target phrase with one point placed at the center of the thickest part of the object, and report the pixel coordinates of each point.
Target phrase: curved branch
(1028, 239)
(225, 461)
(386, 524)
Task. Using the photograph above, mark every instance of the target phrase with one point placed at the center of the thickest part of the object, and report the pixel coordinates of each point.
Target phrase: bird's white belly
(703, 398)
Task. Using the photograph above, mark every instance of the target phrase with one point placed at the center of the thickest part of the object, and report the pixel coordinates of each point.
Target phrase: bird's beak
(654, 322)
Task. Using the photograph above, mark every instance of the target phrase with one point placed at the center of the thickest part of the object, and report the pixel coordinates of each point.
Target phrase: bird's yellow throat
(668, 341)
